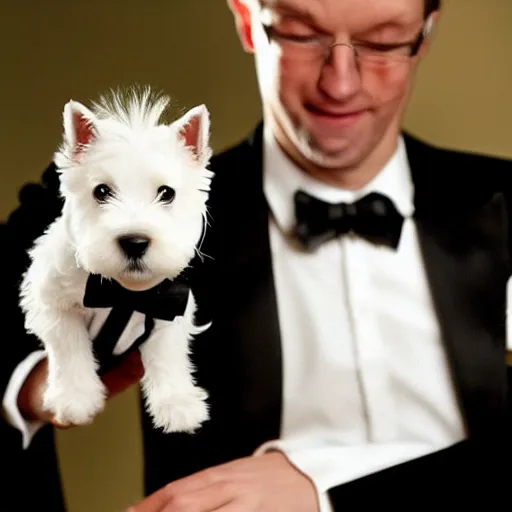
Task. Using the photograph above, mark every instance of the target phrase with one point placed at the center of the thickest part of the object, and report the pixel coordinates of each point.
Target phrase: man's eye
(294, 29)
(382, 47)
(296, 36)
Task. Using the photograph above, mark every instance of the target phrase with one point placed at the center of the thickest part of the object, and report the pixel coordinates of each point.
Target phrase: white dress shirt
(366, 380)
(365, 375)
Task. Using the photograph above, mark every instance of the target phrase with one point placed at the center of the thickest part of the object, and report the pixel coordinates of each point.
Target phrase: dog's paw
(183, 412)
(75, 403)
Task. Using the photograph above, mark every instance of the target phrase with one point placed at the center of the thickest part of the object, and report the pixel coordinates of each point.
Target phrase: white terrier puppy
(134, 212)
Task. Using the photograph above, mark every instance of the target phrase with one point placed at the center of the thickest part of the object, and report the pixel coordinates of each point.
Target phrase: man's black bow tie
(165, 301)
(373, 217)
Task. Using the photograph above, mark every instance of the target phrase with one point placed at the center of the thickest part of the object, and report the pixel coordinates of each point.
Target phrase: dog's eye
(102, 192)
(166, 194)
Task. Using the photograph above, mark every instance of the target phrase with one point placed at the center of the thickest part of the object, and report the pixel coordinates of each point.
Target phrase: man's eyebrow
(388, 26)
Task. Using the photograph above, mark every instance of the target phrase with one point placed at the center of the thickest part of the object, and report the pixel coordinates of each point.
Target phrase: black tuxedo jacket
(461, 214)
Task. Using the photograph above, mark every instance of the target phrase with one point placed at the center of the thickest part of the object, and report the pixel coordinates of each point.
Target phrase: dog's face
(135, 190)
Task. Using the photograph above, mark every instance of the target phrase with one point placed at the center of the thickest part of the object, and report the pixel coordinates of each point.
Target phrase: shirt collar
(282, 178)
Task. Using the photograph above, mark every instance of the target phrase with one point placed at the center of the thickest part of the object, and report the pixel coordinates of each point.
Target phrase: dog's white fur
(121, 142)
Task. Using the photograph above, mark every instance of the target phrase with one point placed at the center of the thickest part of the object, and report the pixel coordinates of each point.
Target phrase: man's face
(331, 108)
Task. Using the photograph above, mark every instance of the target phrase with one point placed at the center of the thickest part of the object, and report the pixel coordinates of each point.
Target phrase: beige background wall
(51, 50)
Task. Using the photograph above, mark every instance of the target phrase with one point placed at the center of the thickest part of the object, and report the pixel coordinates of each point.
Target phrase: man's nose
(340, 78)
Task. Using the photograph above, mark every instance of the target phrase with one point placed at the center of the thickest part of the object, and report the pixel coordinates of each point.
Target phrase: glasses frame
(414, 45)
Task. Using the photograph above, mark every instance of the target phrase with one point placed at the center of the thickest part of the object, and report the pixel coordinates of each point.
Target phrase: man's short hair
(431, 5)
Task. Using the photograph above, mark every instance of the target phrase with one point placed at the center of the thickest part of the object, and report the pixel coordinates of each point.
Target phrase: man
(356, 286)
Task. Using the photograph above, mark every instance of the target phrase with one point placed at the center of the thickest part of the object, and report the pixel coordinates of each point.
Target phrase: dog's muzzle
(133, 246)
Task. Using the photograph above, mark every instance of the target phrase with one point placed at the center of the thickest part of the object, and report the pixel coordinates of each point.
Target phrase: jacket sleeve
(39, 205)
(462, 474)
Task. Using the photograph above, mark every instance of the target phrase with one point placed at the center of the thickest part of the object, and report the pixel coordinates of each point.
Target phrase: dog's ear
(194, 131)
(79, 127)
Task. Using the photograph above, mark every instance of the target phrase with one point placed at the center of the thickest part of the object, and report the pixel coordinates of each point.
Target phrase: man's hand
(30, 398)
(268, 483)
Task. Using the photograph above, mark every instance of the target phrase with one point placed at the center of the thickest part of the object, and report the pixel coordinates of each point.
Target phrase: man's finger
(207, 499)
(203, 480)
(128, 372)
(232, 506)
(153, 503)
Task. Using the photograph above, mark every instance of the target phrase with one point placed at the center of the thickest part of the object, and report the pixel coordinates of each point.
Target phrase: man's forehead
(388, 10)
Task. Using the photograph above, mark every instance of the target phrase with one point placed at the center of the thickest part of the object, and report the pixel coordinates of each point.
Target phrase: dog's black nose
(133, 246)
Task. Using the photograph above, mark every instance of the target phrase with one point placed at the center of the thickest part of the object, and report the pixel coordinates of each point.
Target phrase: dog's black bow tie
(373, 217)
(165, 301)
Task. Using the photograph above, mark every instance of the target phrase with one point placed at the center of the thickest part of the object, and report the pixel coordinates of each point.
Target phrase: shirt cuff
(13, 415)
(329, 464)
(323, 500)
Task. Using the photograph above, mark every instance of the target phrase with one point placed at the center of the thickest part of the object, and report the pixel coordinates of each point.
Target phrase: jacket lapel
(246, 328)
(462, 229)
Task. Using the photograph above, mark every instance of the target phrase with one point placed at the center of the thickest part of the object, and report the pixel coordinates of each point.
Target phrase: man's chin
(333, 154)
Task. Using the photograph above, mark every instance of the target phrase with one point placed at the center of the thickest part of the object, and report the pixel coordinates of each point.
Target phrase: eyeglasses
(318, 47)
